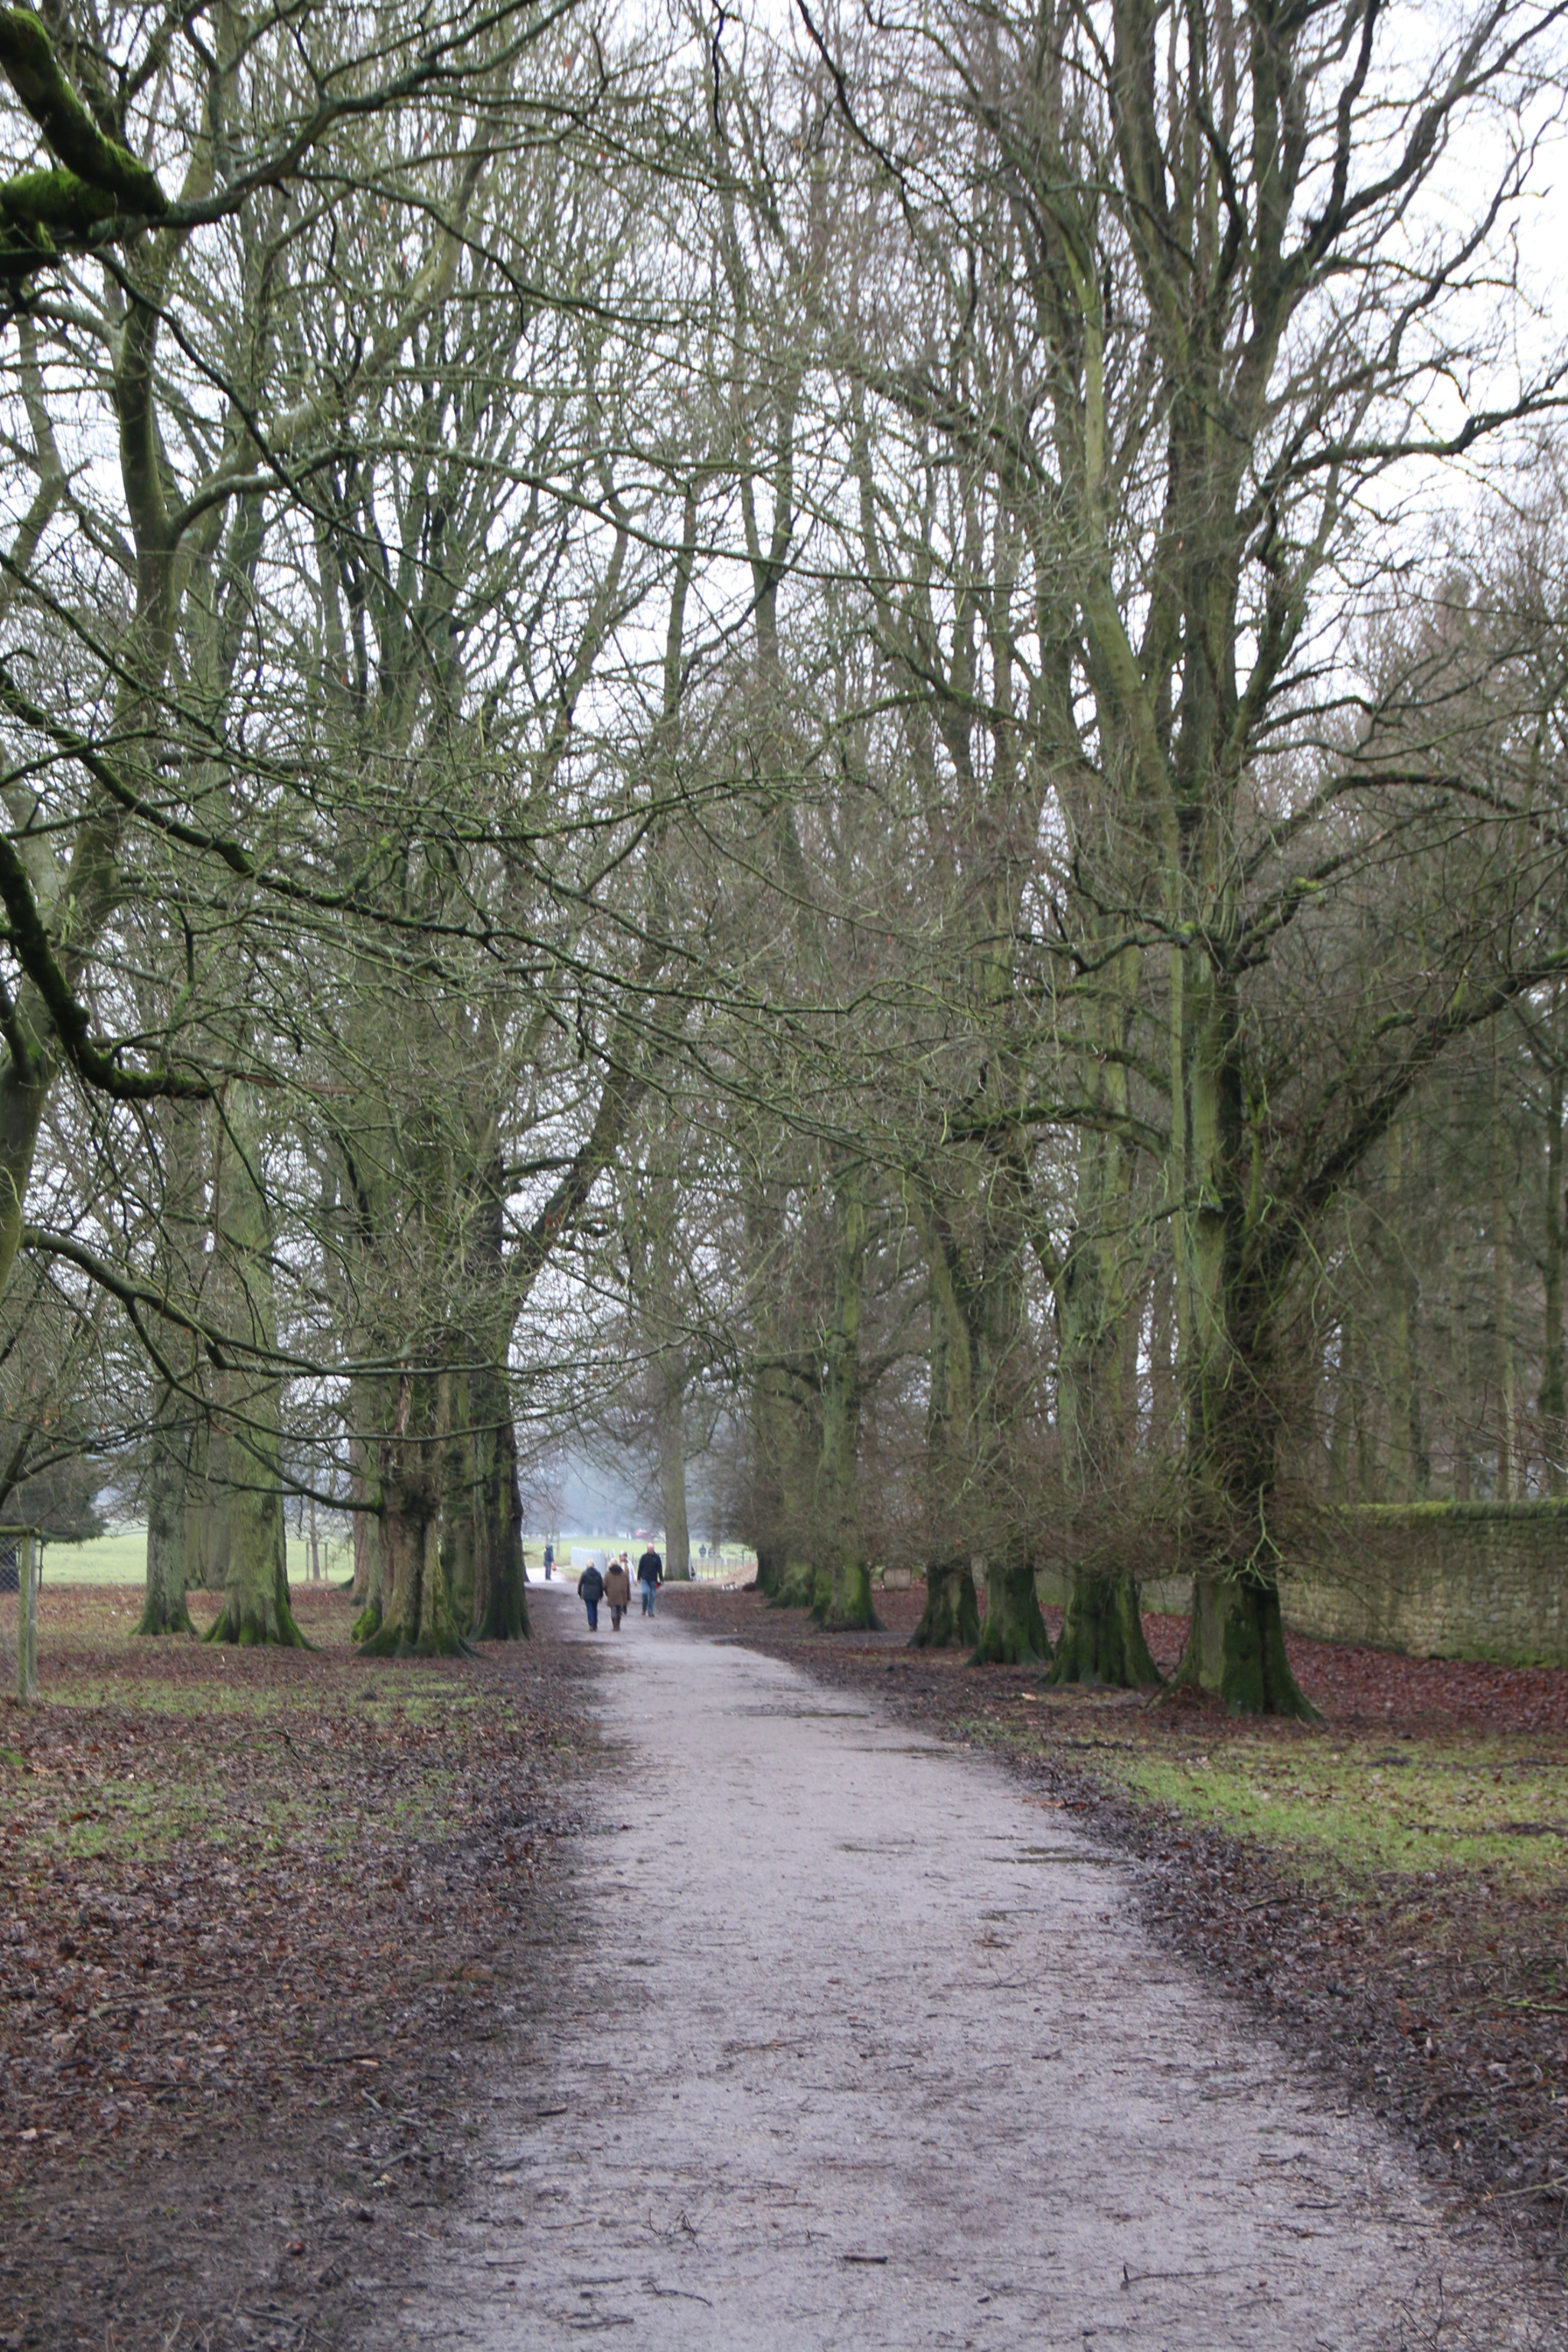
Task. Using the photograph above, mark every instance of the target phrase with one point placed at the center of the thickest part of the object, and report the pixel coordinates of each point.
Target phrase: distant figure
(549, 1562)
(650, 1576)
(617, 1591)
(591, 1590)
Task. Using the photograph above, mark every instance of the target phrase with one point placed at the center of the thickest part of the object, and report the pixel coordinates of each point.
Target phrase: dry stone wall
(1435, 1580)
(1441, 1581)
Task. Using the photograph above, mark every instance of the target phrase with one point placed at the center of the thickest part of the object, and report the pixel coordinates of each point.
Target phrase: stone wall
(1436, 1580)
(1441, 1581)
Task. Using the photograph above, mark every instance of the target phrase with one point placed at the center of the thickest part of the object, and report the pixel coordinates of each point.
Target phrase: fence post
(27, 1615)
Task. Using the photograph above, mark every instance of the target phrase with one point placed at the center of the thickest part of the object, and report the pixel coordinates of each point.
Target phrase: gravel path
(863, 2047)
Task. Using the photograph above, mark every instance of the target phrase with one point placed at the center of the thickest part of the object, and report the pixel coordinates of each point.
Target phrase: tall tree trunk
(461, 1512)
(1502, 1307)
(370, 1409)
(671, 1374)
(842, 1594)
(256, 1583)
(1409, 1470)
(1011, 1632)
(206, 1511)
(500, 1596)
(951, 1618)
(1340, 1426)
(1552, 1404)
(1235, 1641)
(164, 1610)
(416, 1618)
(256, 1606)
(1164, 1404)
(1102, 1629)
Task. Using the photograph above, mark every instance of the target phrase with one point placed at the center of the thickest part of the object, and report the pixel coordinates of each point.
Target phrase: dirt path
(863, 2047)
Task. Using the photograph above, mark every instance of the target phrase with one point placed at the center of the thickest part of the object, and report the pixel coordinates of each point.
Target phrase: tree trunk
(416, 1616)
(256, 1591)
(1011, 1632)
(799, 1587)
(1409, 1471)
(672, 1475)
(1502, 1306)
(1236, 1645)
(1236, 1648)
(1102, 1630)
(206, 1514)
(256, 1583)
(1103, 1643)
(164, 1610)
(22, 1105)
(770, 1568)
(462, 1531)
(951, 1618)
(500, 1596)
(1552, 1403)
(843, 1597)
(1340, 1428)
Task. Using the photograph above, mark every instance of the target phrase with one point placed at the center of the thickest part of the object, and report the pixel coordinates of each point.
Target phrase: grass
(244, 1731)
(1497, 1808)
(120, 1557)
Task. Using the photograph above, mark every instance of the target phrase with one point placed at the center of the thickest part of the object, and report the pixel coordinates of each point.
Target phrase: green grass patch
(1497, 1808)
(120, 1557)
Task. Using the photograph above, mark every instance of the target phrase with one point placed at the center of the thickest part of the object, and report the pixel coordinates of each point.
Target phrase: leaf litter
(269, 1913)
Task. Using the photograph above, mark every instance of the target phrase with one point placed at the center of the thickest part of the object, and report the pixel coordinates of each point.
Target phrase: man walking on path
(591, 1590)
(650, 1576)
(549, 1562)
(617, 1591)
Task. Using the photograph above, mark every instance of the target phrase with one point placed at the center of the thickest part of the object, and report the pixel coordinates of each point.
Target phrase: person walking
(650, 1576)
(591, 1591)
(617, 1591)
(549, 1562)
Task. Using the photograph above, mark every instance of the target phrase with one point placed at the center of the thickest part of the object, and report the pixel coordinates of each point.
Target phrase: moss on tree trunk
(951, 1618)
(1102, 1642)
(796, 1586)
(1011, 1632)
(843, 1602)
(1235, 1647)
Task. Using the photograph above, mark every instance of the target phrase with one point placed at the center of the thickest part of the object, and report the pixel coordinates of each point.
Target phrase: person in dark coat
(591, 1590)
(650, 1576)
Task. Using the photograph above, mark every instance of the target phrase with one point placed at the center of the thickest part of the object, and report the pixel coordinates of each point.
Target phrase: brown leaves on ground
(1438, 1997)
(263, 1906)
